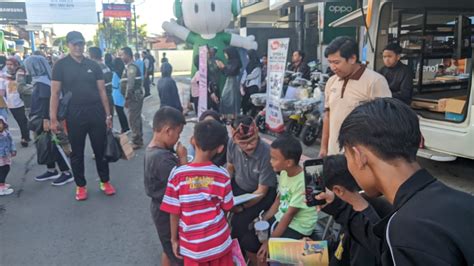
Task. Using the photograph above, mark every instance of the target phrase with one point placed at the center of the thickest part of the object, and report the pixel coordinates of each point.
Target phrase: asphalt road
(44, 225)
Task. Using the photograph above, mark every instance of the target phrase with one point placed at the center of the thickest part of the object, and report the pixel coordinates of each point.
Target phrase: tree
(61, 43)
(114, 33)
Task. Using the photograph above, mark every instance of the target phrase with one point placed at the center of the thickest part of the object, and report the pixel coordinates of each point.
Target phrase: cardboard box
(127, 149)
(455, 106)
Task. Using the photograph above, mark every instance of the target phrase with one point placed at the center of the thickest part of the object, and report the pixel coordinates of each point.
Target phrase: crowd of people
(369, 143)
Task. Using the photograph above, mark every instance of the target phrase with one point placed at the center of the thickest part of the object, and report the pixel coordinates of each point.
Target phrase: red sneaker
(107, 188)
(81, 193)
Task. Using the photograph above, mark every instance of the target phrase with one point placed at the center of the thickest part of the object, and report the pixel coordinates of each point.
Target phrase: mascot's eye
(196, 8)
(213, 7)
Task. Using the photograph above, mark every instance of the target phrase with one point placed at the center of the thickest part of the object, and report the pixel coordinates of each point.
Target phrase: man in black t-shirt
(88, 111)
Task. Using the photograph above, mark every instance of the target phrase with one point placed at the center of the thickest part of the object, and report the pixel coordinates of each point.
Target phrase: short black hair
(335, 172)
(394, 47)
(137, 56)
(345, 45)
(244, 120)
(128, 51)
(301, 53)
(387, 126)
(215, 115)
(289, 146)
(95, 52)
(168, 116)
(209, 135)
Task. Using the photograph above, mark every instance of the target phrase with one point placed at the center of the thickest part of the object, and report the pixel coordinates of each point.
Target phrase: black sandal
(24, 143)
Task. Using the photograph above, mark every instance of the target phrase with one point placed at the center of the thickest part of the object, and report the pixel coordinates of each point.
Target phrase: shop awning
(353, 19)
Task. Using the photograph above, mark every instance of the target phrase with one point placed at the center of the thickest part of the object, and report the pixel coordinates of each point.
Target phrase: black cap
(75, 37)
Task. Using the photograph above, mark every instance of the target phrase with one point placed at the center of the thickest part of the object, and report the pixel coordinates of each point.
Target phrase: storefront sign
(117, 10)
(12, 13)
(61, 12)
(277, 55)
(334, 11)
(202, 104)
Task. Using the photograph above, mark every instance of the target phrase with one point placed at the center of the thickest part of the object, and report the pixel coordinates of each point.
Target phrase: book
(244, 198)
(285, 251)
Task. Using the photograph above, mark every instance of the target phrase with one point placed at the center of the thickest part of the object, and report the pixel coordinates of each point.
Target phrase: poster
(61, 11)
(277, 55)
(202, 104)
(12, 13)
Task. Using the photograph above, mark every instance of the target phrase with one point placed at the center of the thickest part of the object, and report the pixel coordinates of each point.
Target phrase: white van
(437, 38)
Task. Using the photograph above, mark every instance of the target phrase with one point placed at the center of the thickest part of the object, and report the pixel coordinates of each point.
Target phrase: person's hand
(108, 122)
(54, 126)
(220, 64)
(242, 91)
(262, 254)
(328, 196)
(126, 104)
(323, 152)
(13, 153)
(181, 151)
(46, 127)
(175, 245)
(237, 209)
(214, 98)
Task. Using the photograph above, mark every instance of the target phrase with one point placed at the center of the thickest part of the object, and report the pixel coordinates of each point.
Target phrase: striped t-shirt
(200, 194)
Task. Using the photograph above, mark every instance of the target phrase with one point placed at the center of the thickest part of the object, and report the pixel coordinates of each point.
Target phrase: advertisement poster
(13, 13)
(285, 251)
(117, 10)
(64, 11)
(277, 56)
(334, 11)
(202, 104)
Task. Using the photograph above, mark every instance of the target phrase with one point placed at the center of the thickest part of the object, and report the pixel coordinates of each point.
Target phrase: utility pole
(136, 28)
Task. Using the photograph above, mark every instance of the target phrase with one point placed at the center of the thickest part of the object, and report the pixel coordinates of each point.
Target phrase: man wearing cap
(88, 111)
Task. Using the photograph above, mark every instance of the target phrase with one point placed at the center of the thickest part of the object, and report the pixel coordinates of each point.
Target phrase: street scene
(236, 132)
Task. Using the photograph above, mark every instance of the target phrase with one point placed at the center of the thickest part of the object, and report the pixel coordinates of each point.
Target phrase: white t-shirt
(12, 96)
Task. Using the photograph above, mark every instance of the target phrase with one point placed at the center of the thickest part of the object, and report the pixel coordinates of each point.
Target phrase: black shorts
(250, 241)
(162, 224)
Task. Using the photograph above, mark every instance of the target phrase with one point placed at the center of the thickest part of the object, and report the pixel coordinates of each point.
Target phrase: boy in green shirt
(289, 216)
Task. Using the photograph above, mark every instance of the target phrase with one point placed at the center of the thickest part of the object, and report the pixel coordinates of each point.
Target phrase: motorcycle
(304, 108)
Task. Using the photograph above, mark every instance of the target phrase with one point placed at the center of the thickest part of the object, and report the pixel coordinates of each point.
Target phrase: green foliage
(115, 34)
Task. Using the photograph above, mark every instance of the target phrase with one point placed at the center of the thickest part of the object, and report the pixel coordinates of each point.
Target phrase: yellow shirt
(344, 95)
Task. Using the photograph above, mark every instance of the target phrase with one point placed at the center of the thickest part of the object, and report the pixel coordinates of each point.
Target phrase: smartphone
(314, 184)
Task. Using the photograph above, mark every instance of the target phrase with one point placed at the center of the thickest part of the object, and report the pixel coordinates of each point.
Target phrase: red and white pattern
(200, 194)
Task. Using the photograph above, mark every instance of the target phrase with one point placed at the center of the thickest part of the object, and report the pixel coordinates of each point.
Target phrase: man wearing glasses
(88, 111)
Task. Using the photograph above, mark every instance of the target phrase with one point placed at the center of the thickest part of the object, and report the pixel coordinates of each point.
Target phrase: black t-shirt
(158, 165)
(80, 79)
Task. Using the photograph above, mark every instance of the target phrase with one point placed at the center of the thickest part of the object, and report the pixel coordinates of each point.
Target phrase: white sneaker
(5, 191)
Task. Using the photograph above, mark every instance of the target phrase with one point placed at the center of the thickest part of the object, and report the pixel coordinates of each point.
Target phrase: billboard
(12, 13)
(61, 12)
(116, 10)
(334, 11)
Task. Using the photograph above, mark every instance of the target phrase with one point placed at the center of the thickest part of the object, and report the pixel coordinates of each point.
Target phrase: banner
(61, 12)
(117, 10)
(12, 13)
(277, 55)
(334, 11)
(202, 104)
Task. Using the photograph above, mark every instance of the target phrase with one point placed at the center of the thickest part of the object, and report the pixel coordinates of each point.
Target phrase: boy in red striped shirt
(197, 197)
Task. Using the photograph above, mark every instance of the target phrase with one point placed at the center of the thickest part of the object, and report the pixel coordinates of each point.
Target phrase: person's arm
(146, 63)
(285, 221)
(230, 168)
(131, 75)
(325, 135)
(21, 81)
(105, 102)
(174, 222)
(54, 104)
(273, 209)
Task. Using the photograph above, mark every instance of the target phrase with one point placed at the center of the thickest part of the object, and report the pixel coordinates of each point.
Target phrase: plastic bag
(113, 150)
(45, 149)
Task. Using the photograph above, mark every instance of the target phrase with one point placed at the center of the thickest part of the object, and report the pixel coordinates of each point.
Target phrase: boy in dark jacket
(431, 223)
(167, 89)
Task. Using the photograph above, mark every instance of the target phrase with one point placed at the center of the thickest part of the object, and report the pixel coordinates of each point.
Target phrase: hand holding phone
(314, 184)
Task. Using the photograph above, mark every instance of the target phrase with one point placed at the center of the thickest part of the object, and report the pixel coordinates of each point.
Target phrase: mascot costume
(204, 24)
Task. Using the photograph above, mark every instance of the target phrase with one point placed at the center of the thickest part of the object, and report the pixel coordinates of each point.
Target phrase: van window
(438, 47)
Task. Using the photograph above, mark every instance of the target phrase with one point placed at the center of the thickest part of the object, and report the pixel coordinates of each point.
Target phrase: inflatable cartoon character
(204, 24)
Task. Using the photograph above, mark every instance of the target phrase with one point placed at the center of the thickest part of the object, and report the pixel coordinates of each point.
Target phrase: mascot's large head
(206, 17)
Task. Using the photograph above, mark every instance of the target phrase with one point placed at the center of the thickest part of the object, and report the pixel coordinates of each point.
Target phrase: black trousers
(247, 105)
(240, 221)
(122, 118)
(82, 121)
(146, 85)
(4, 170)
(20, 117)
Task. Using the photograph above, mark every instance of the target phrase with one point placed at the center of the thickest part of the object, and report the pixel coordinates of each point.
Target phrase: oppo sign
(340, 9)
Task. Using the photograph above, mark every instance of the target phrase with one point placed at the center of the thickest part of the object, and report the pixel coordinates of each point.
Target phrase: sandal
(24, 143)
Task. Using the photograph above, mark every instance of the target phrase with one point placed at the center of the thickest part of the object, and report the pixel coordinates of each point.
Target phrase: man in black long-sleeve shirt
(431, 223)
(398, 75)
